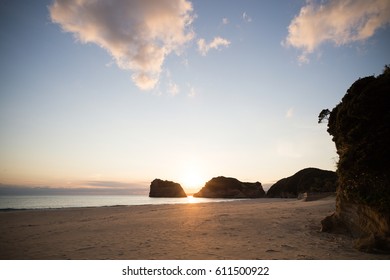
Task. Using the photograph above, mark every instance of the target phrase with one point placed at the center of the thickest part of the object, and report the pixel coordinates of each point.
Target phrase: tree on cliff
(360, 126)
(324, 115)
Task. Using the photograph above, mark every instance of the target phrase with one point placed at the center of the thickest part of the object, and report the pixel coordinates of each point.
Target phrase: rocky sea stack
(223, 187)
(308, 180)
(360, 126)
(161, 188)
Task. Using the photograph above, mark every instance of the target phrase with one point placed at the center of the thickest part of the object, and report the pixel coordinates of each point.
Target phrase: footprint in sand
(284, 246)
(272, 251)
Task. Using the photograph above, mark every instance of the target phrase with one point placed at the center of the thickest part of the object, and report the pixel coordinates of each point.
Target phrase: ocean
(69, 201)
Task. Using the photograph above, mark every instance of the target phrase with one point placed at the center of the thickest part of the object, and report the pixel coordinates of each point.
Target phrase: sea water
(68, 201)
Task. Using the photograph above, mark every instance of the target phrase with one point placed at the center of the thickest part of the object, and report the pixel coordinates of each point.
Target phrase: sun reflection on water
(192, 199)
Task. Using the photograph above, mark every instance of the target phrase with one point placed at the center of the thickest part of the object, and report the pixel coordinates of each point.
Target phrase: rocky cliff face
(160, 188)
(223, 187)
(311, 180)
(360, 126)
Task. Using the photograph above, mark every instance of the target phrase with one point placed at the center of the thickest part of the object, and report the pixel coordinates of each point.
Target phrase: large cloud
(138, 34)
(337, 21)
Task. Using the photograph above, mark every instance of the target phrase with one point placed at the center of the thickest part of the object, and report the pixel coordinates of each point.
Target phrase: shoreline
(217, 200)
(245, 229)
(21, 203)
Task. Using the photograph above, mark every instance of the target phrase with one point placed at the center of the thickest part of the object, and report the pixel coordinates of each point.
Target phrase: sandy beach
(250, 229)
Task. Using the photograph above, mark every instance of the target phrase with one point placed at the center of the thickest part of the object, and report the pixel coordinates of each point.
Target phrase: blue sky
(115, 96)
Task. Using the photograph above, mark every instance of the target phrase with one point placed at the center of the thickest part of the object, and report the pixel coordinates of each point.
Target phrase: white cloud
(225, 21)
(216, 44)
(246, 18)
(192, 92)
(173, 88)
(337, 21)
(290, 113)
(138, 34)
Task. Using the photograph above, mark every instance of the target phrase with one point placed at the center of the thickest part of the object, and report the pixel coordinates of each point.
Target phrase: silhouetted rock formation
(360, 126)
(307, 180)
(160, 188)
(223, 187)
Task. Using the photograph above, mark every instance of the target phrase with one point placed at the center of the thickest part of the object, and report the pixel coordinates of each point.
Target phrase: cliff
(311, 180)
(160, 188)
(224, 187)
(360, 126)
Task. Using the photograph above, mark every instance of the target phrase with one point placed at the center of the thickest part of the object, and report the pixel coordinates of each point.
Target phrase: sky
(109, 95)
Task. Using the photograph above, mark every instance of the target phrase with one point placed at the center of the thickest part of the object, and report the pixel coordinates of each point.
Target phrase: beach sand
(249, 229)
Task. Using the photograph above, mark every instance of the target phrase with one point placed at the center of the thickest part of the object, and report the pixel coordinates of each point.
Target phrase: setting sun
(192, 180)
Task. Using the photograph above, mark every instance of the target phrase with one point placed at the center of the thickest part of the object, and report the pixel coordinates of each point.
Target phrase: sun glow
(192, 180)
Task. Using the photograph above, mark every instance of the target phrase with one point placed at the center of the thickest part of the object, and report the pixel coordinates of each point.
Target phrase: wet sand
(250, 229)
